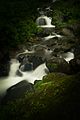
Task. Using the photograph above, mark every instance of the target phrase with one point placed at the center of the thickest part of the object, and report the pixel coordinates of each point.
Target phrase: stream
(42, 53)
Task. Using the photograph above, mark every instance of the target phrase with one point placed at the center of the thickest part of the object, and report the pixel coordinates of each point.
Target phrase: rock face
(58, 65)
(17, 91)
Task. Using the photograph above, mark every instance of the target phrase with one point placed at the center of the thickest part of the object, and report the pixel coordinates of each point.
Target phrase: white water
(25, 52)
(47, 20)
(13, 79)
(14, 66)
(68, 56)
(36, 74)
(30, 76)
(49, 37)
(52, 36)
(39, 72)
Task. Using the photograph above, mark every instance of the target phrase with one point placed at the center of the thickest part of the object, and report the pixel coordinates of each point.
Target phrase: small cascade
(42, 54)
(25, 52)
(49, 37)
(67, 56)
(13, 78)
(13, 67)
(36, 74)
(52, 36)
(44, 22)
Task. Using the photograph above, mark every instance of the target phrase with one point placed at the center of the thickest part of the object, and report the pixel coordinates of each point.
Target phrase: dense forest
(57, 95)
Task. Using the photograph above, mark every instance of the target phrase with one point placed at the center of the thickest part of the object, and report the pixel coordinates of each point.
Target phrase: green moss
(57, 96)
(17, 20)
(50, 99)
(52, 66)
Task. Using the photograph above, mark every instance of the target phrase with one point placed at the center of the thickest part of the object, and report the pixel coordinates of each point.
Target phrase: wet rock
(26, 67)
(67, 32)
(30, 62)
(43, 51)
(77, 50)
(19, 73)
(58, 65)
(17, 91)
(75, 65)
(20, 58)
(76, 28)
(36, 61)
(60, 45)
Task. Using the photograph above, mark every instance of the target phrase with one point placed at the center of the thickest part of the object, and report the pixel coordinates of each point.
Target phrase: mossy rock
(56, 97)
(58, 65)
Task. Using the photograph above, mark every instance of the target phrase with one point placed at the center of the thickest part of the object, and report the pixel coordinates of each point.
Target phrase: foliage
(57, 96)
(66, 13)
(54, 97)
(17, 22)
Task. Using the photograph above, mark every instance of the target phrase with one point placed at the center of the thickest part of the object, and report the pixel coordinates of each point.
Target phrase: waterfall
(30, 76)
(6, 82)
(36, 74)
(68, 56)
(49, 37)
(41, 70)
(13, 67)
(44, 22)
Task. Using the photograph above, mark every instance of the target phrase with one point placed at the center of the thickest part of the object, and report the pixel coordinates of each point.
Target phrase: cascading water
(68, 56)
(44, 22)
(6, 82)
(29, 76)
(52, 36)
(14, 66)
(36, 74)
(40, 71)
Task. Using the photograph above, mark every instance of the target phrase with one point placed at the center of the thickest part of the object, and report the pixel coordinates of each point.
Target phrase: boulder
(19, 73)
(58, 65)
(75, 65)
(76, 29)
(20, 58)
(67, 32)
(17, 91)
(30, 62)
(77, 49)
(36, 61)
(43, 51)
(26, 67)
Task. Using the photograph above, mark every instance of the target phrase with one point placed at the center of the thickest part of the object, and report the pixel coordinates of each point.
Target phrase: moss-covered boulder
(57, 96)
(17, 91)
(58, 65)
